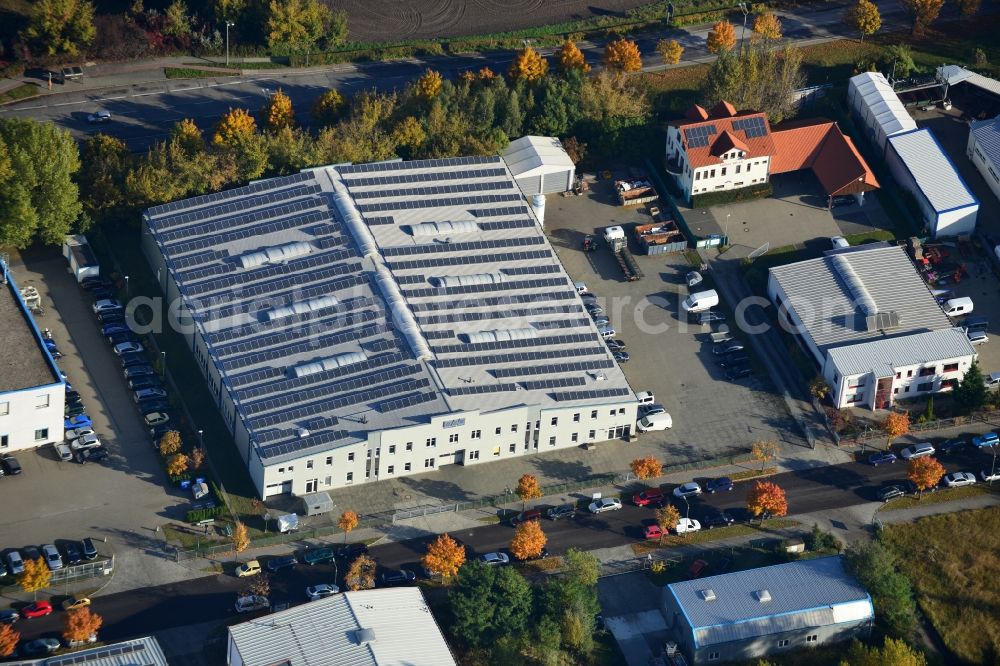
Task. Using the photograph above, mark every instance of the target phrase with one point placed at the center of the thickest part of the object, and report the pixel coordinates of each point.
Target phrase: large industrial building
(32, 392)
(749, 614)
(984, 151)
(914, 157)
(871, 324)
(725, 149)
(366, 322)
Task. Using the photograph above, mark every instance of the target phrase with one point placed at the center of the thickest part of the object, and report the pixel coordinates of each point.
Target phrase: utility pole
(229, 24)
(746, 12)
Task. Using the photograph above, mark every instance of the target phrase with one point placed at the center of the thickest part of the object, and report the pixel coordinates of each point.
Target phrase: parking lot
(669, 356)
(121, 499)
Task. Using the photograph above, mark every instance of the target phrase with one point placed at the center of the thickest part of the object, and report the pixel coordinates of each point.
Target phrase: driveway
(631, 606)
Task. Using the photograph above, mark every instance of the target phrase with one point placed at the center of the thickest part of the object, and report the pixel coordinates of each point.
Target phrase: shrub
(709, 199)
(197, 515)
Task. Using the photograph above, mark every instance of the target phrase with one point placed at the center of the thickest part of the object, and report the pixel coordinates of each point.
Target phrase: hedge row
(198, 515)
(731, 196)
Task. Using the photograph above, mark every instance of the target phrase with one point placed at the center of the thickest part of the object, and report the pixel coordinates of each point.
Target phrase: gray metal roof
(137, 652)
(384, 627)
(23, 361)
(871, 91)
(932, 170)
(807, 593)
(987, 133)
(536, 155)
(883, 356)
(290, 279)
(830, 312)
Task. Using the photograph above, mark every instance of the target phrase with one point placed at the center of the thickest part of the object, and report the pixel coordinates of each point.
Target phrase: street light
(163, 363)
(126, 287)
(201, 442)
(230, 24)
(746, 12)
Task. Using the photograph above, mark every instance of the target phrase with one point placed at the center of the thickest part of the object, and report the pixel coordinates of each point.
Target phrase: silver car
(52, 557)
(917, 451)
(605, 504)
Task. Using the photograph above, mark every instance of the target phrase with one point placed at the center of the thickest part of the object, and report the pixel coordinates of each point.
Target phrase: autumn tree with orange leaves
(178, 464)
(923, 13)
(721, 38)
(236, 125)
(646, 468)
(896, 424)
(527, 489)
(767, 27)
(924, 473)
(361, 574)
(529, 540)
(8, 640)
(429, 84)
(277, 112)
(767, 499)
(348, 521)
(668, 517)
(571, 58)
(528, 65)
(622, 55)
(81, 624)
(444, 556)
(670, 50)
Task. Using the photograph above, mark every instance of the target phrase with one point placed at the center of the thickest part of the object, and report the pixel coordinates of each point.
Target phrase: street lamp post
(201, 441)
(230, 24)
(126, 287)
(687, 508)
(993, 469)
(163, 363)
(746, 12)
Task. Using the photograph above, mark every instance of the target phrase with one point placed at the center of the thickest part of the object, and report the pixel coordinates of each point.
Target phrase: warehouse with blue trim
(364, 322)
(759, 612)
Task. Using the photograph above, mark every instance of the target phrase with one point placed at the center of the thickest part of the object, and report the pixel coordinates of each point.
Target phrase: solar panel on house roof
(589, 395)
(406, 401)
(753, 127)
(578, 366)
(473, 258)
(519, 357)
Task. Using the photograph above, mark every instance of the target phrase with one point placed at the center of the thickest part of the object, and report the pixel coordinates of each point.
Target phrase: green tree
(923, 13)
(227, 10)
(892, 653)
(176, 20)
(329, 107)
(580, 567)
(897, 60)
(971, 393)
(104, 160)
(756, 77)
(61, 26)
(864, 17)
(38, 197)
(875, 567)
(489, 602)
(298, 25)
(289, 150)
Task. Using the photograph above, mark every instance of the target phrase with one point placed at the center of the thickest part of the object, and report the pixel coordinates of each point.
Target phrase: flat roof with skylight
(349, 299)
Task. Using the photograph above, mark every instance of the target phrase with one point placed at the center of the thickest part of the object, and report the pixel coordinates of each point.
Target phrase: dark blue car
(883, 458)
(721, 485)
(276, 564)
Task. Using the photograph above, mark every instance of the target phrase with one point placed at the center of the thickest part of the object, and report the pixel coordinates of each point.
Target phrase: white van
(645, 397)
(958, 307)
(606, 332)
(654, 422)
(581, 288)
(700, 301)
(839, 242)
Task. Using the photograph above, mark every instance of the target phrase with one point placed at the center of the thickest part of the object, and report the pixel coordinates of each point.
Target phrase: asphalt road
(144, 611)
(145, 113)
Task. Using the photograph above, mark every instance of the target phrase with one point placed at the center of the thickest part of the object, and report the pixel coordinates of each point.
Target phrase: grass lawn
(871, 236)
(673, 91)
(238, 64)
(189, 73)
(717, 534)
(23, 91)
(953, 561)
(945, 495)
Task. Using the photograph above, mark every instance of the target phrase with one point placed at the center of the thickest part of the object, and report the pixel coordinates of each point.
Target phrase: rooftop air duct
(444, 228)
(859, 293)
(329, 363)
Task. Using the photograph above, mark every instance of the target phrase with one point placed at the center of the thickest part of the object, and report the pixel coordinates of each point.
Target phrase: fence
(620, 567)
(84, 570)
(992, 418)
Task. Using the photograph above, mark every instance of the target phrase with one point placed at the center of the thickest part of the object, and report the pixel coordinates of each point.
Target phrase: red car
(526, 517)
(654, 532)
(651, 497)
(37, 609)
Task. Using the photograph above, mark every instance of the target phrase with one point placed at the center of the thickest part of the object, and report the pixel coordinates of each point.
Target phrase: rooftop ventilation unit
(364, 636)
(882, 321)
(444, 228)
(276, 254)
(301, 307)
(466, 280)
(329, 363)
(503, 334)
(763, 596)
(862, 299)
(708, 594)
(302, 433)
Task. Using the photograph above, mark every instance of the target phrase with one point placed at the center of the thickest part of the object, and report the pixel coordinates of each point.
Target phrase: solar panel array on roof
(414, 165)
(753, 127)
(590, 395)
(433, 203)
(476, 258)
(470, 246)
(481, 388)
(519, 357)
(579, 366)
(432, 190)
(426, 177)
(697, 137)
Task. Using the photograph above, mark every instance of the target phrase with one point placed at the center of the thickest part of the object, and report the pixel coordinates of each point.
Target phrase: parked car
(73, 410)
(99, 117)
(398, 577)
(252, 603)
(605, 504)
(917, 451)
(989, 475)
(601, 320)
(96, 454)
(653, 532)
(882, 458)
(615, 344)
(688, 489)
(73, 603)
(738, 372)
(106, 305)
(318, 555)
(710, 316)
(40, 646)
(693, 278)
(31, 553)
(114, 328)
(723, 484)
(128, 348)
(63, 452)
(156, 418)
(151, 393)
(116, 339)
(321, 591)
(153, 405)
(85, 442)
(595, 310)
(89, 549)
(951, 446)
(352, 550)
(651, 409)
(14, 563)
(621, 356)
(697, 568)
(52, 557)
(958, 479)
(78, 421)
(887, 493)
(977, 337)
(276, 564)
(144, 382)
(10, 465)
(495, 559)
(986, 441)
(111, 316)
(526, 516)
(36, 609)
(685, 525)
(130, 359)
(649, 497)
(724, 348)
(9, 616)
(73, 552)
(561, 511)
(91, 282)
(713, 518)
(136, 371)
(249, 568)
(733, 360)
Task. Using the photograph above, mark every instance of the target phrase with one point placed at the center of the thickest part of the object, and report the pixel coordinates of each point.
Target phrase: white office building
(366, 322)
(32, 392)
(871, 325)
(984, 151)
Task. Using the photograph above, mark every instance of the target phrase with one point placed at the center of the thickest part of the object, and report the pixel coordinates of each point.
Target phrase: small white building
(919, 164)
(32, 392)
(871, 324)
(540, 165)
(384, 627)
(878, 109)
(984, 151)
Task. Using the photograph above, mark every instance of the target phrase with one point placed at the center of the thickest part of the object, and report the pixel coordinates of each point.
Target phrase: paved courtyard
(631, 606)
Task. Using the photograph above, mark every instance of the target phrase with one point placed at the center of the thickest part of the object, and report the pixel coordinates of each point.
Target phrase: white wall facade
(733, 172)
(908, 381)
(980, 158)
(31, 417)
